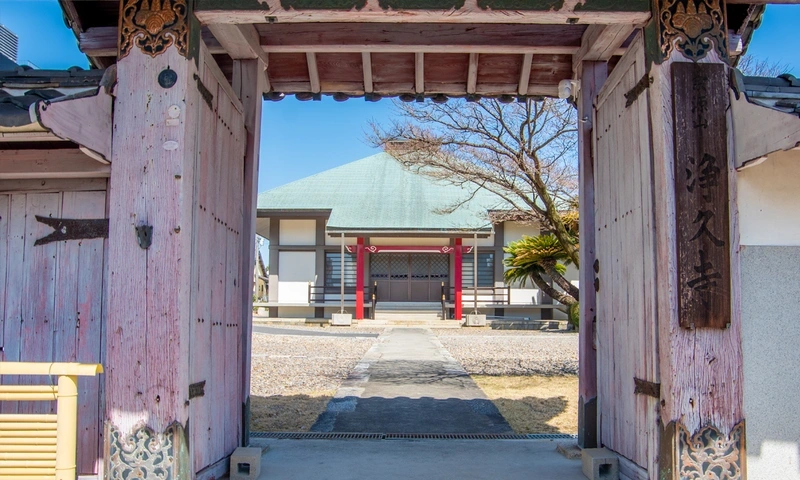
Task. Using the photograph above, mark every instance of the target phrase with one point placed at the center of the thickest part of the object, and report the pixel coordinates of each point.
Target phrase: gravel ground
(293, 364)
(512, 352)
(294, 376)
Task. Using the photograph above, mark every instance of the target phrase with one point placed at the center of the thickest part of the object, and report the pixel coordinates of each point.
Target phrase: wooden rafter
(601, 42)
(525, 74)
(313, 73)
(419, 72)
(366, 62)
(472, 73)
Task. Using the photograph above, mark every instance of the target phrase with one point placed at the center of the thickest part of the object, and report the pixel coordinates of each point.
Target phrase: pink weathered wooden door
(627, 346)
(51, 300)
(215, 409)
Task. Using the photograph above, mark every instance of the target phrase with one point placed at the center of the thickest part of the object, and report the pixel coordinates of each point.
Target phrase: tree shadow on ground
(285, 413)
(298, 413)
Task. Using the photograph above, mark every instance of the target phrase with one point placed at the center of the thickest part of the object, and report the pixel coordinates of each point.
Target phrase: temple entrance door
(410, 277)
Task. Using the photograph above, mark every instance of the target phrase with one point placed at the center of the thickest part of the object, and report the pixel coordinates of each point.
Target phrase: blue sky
(303, 138)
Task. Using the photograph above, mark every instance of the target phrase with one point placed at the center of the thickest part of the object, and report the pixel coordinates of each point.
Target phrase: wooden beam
(240, 41)
(35, 164)
(390, 48)
(478, 38)
(397, 88)
(587, 12)
(419, 72)
(472, 73)
(760, 2)
(313, 73)
(366, 65)
(601, 42)
(525, 74)
(99, 41)
(102, 41)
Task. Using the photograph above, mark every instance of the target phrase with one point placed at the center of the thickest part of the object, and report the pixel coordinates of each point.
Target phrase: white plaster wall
(298, 232)
(769, 219)
(769, 203)
(771, 357)
(514, 231)
(295, 271)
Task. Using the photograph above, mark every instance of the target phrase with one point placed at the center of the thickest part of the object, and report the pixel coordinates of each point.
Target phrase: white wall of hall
(298, 232)
(769, 204)
(769, 219)
(296, 271)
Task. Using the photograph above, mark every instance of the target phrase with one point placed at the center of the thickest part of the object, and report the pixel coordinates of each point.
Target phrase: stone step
(411, 315)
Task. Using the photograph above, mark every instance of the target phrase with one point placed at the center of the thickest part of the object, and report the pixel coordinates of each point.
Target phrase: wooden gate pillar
(149, 245)
(699, 328)
(593, 75)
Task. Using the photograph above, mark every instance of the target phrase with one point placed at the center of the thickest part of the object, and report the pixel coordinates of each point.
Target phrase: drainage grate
(317, 435)
(454, 436)
(409, 436)
(551, 436)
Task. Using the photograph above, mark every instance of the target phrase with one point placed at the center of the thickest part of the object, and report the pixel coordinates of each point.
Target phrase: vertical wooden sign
(700, 98)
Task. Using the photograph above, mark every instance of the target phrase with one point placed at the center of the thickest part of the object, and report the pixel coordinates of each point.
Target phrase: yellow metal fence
(42, 446)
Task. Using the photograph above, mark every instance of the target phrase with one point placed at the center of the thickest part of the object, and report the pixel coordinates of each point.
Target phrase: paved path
(408, 383)
(422, 459)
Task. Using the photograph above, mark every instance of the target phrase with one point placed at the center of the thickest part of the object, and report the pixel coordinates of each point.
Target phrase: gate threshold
(410, 436)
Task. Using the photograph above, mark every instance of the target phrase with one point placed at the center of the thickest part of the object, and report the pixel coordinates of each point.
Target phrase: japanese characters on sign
(701, 194)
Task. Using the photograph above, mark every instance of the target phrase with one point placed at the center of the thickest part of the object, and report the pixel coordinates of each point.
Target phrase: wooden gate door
(215, 350)
(627, 350)
(51, 300)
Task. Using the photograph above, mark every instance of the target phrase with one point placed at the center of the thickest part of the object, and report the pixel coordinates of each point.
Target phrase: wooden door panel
(626, 316)
(53, 302)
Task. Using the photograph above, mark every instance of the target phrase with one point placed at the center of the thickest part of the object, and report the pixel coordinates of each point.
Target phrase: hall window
(333, 269)
(485, 270)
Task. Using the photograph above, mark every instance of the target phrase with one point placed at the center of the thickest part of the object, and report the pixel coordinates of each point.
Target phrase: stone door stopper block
(598, 464)
(246, 463)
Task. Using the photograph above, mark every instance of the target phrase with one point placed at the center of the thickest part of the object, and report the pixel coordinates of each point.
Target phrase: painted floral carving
(154, 25)
(695, 27)
(711, 455)
(147, 454)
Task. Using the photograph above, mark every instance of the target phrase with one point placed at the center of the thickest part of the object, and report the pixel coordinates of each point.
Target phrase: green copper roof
(376, 193)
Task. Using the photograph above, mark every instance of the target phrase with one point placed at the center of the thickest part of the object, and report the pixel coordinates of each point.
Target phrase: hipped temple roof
(378, 194)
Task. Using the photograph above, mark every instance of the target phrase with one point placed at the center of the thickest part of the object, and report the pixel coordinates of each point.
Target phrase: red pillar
(457, 279)
(360, 279)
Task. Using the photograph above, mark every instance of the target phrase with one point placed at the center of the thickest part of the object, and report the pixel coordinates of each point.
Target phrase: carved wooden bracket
(695, 27)
(154, 25)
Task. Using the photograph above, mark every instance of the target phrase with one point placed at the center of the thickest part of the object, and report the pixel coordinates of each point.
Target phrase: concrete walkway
(422, 459)
(409, 383)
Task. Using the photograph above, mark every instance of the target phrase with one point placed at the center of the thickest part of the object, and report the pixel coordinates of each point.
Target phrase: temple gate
(660, 343)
